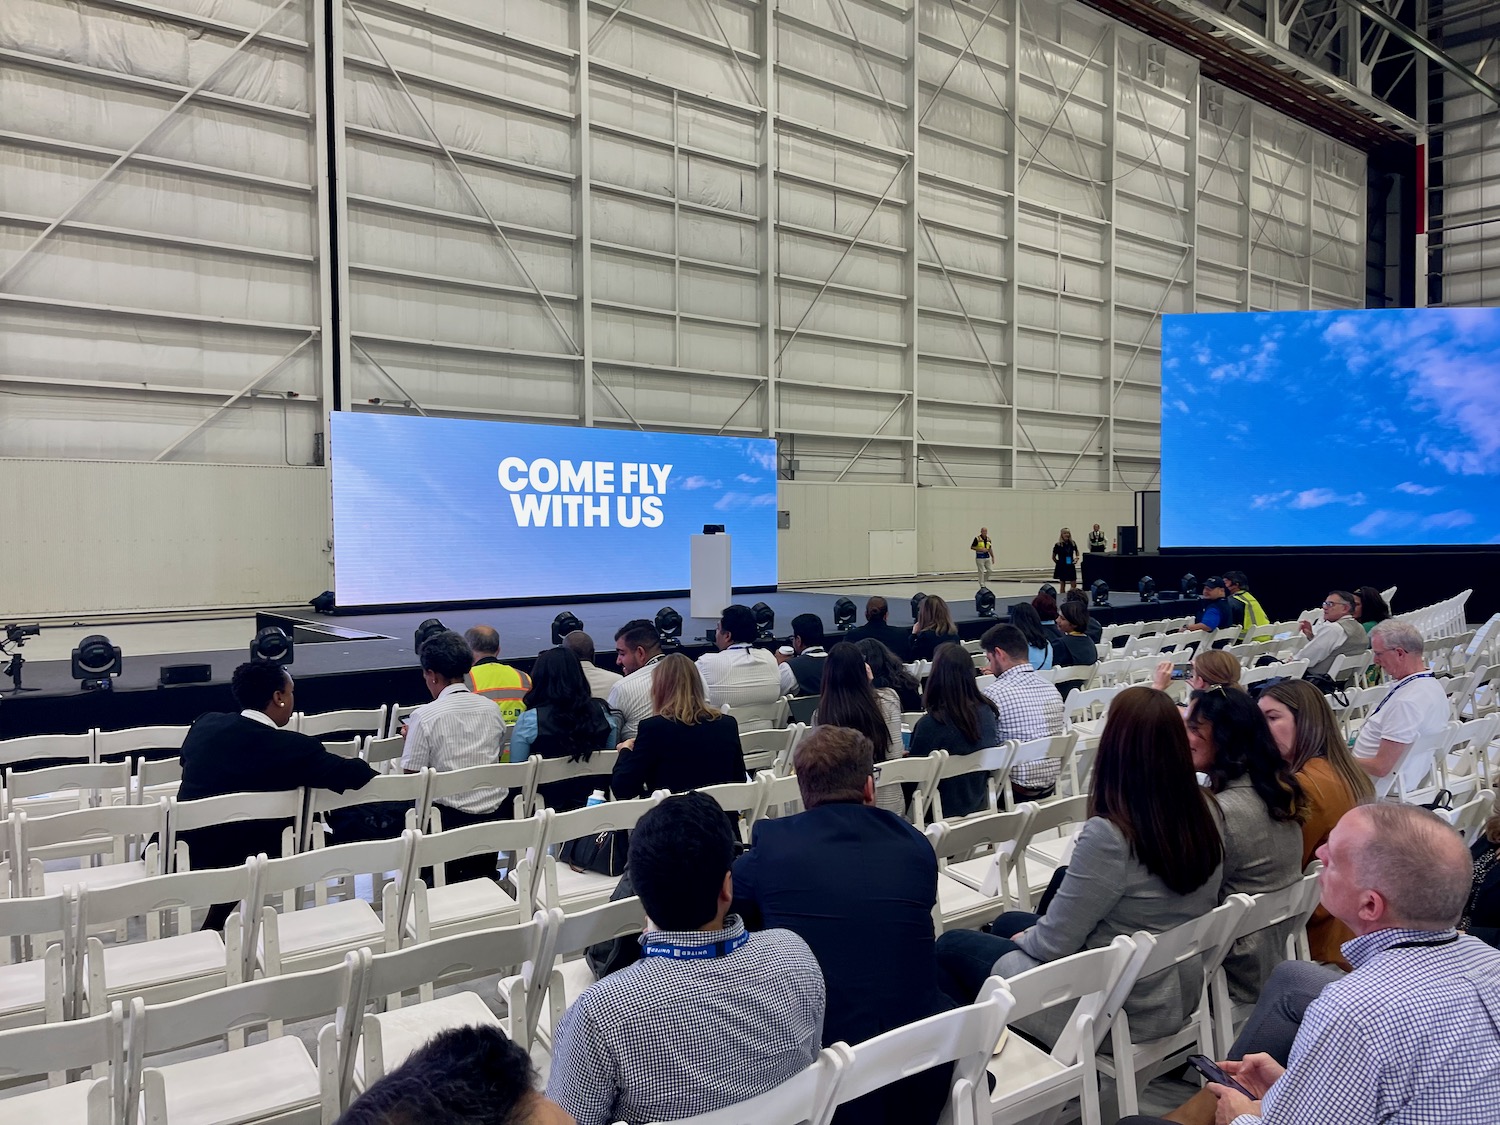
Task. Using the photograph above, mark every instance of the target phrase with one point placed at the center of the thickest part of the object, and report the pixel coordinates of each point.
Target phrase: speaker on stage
(1125, 534)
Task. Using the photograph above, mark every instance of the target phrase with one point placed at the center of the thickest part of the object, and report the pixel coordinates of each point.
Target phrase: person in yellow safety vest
(1252, 615)
(499, 683)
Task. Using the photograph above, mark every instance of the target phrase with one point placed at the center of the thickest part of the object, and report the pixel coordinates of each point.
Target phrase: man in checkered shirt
(1030, 707)
(711, 1014)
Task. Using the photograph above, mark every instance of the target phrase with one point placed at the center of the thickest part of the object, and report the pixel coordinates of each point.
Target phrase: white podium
(709, 576)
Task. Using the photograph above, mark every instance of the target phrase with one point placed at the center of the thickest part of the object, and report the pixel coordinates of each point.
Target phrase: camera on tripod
(14, 662)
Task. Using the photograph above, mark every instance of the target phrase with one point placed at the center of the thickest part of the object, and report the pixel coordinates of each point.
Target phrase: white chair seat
(150, 964)
(404, 1030)
(579, 889)
(110, 875)
(1019, 1064)
(23, 987)
(472, 899)
(274, 1077)
(956, 898)
(339, 925)
(61, 1104)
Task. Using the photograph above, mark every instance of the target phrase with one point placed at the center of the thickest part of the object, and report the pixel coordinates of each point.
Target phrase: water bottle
(596, 798)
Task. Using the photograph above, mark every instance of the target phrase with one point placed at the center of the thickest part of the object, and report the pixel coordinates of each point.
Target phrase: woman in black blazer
(686, 745)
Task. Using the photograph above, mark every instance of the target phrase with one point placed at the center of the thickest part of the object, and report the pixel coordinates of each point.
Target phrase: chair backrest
(316, 868)
(402, 787)
(600, 763)
(233, 808)
(366, 721)
(399, 713)
(1470, 817)
(1089, 980)
(1207, 937)
(524, 836)
(40, 916)
(117, 829)
(781, 792)
(79, 785)
(801, 708)
(153, 774)
(137, 740)
(1294, 902)
(1083, 705)
(759, 716)
(1291, 670)
(1000, 831)
(1417, 764)
(994, 760)
(51, 748)
(502, 778)
(747, 798)
(178, 891)
(379, 750)
(803, 1099)
(594, 819)
(59, 1047)
(1060, 812)
(452, 959)
(578, 931)
(1062, 747)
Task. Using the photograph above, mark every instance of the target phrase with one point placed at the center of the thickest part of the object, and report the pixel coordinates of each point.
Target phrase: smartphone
(1181, 673)
(1215, 1073)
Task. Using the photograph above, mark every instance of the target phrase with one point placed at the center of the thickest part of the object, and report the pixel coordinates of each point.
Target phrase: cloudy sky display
(1380, 426)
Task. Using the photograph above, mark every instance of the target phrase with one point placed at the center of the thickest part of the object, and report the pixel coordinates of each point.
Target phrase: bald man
(501, 684)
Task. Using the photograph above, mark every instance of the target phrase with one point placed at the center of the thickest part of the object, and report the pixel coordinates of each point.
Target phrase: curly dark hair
(1243, 745)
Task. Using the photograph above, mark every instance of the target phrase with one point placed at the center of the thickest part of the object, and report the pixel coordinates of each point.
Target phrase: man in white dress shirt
(638, 649)
(1338, 634)
(601, 680)
(1415, 705)
(739, 674)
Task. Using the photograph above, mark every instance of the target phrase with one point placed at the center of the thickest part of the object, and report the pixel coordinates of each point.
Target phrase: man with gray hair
(1412, 1034)
(1415, 705)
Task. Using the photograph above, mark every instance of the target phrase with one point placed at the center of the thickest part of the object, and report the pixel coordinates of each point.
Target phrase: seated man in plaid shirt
(711, 1014)
(1029, 706)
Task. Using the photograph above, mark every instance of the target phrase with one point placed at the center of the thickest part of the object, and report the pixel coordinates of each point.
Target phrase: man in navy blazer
(858, 884)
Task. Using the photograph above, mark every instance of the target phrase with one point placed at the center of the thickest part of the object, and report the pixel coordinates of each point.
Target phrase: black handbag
(1443, 802)
(604, 854)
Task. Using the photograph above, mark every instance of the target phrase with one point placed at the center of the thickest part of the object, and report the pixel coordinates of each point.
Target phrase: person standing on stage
(499, 683)
(1096, 539)
(984, 555)
(1065, 560)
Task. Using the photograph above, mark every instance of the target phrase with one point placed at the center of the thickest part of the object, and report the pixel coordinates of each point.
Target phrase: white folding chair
(1352, 669)
(369, 721)
(56, 789)
(976, 859)
(747, 798)
(394, 1030)
(1464, 766)
(53, 749)
(600, 765)
(770, 749)
(571, 975)
(271, 1081)
(1084, 710)
(138, 743)
(806, 1098)
(918, 770)
(380, 753)
(443, 909)
(1414, 777)
(498, 781)
(758, 716)
(55, 1049)
(156, 778)
(783, 795)
(1061, 748)
(1049, 845)
(403, 788)
(992, 760)
(36, 959)
(1470, 817)
(399, 713)
(1292, 670)
(578, 890)
(232, 808)
(966, 1037)
(1030, 1080)
(117, 834)
(1291, 907)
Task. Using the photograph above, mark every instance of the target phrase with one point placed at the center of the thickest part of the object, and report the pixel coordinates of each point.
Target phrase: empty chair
(770, 749)
(382, 752)
(1290, 908)
(758, 716)
(745, 800)
(54, 1050)
(1470, 817)
(36, 960)
(918, 770)
(1464, 766)
(1050, 842)
(38, 750)
(67, 788)
(370, 721)
(976, 859)
(1084, 711)
(138, 744)
(783, 796)
(156, 778)
(118, 834)
(438, 908)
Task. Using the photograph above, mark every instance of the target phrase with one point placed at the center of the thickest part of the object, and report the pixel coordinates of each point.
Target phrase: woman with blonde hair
(934, 626)
(686, 745)
(1208, 669)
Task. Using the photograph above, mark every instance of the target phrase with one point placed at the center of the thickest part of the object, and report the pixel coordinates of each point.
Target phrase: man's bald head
(483, 641)
(1415, 861)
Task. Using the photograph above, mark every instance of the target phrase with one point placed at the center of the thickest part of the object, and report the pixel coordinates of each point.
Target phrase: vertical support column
(769, 311)
(1110, 130)
(585, 221)
(330, 331)
(1249, 206)
(1194, 132)
(1310, 204)
(1418, 262)
(1009, 301)
(339, 152)
(677, 228)
(913, 235)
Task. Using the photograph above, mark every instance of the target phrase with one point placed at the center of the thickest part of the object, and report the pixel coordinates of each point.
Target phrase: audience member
(1028, 708)
(849, 700)
(1481, 916)
(739, 674)
(1045, 605)
(499, 683)
(712, 1014)
(1149, 857)
(959, 720)
(802, 672)
(601, 680)
(462, 1076)
(1408, 1036)
(1369, 607)
(1073, 648)
(1415, 704)
(1065, 559)
(1093, 630)
(1214, 612)
(933, 626)
(638, 649)
(686, 745)
(249, 752)
(887, 671)
(1309, 739)
(858, 884)
(458, 729)
(1023, 616)
(1261, 804)
(1338, 634)
(562, 720)
(1212, 668)
(878, 627)
(1248, 613)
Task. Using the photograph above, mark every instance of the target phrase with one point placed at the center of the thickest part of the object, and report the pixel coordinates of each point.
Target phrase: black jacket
(228, 753)
(896, 639)
(672, 755)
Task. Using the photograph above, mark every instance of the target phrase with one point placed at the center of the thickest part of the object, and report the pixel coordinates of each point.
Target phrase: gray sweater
(1108, 892)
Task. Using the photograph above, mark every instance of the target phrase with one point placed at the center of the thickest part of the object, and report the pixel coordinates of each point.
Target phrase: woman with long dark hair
(1149, 857)
(959, 720)
(849, 700)
(887, 671)
(1073, 647)
(687, 744)
(1369, 607)
(1023, 616)
(562, 720)
(1263, 808)
(933, 626)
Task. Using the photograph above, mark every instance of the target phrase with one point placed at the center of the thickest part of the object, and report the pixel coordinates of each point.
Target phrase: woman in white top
(849, 700)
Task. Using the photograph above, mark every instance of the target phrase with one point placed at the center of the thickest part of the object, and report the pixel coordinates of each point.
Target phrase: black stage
(359, 659)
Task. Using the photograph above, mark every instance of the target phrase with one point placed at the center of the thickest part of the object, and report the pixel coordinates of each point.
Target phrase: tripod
(13, 667)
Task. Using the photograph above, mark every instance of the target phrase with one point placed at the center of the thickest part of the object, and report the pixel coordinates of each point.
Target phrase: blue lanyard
(694, 952)
(1398, 687)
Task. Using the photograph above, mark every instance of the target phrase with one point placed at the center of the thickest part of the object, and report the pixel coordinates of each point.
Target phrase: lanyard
(695, 952)
(1394, 690)
(1449, 940)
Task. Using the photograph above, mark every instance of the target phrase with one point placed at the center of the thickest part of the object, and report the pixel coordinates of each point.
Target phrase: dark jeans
(1273, 1025)
(966, 958)
(481, 866)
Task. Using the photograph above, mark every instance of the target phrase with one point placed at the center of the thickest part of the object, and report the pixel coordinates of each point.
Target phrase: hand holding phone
(1215, 1073)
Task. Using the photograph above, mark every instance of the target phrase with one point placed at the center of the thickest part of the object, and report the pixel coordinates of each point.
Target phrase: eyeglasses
(875, 772)
(1330, 605)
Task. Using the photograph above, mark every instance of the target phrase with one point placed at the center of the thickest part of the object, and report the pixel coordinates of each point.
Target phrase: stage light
(1189, 585)
(844, 615)
(425, 632)
(1048, 589)
(563, 624)
(1099, 592)
(984, 602)
(916, 603)
(1146, 587)
(96, 662)
(765, 621)
(324, 602)
(272, 644)
(669, 625)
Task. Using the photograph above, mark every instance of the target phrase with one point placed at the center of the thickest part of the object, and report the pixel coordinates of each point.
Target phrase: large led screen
(443, 509)
(1307, 429)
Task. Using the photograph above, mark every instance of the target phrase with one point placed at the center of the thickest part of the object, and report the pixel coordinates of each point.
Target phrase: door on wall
(893, 552)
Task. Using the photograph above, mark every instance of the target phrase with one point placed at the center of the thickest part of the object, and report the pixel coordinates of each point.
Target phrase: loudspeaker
(185, 674)
(1125, 534)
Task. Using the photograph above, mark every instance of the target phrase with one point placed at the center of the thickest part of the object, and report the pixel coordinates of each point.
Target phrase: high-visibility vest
(501, 684)
(1254, 616)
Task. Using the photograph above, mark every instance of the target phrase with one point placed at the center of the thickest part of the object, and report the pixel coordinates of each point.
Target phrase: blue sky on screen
(1329, 428)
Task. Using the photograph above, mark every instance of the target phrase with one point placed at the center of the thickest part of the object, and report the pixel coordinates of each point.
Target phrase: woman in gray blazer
(1262, 805)
(1149, 858)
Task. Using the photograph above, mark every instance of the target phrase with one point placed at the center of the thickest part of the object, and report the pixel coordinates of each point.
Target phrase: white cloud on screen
(696, 482)
(731, 500)
(1412, 489)
(1381, 521)
(1322, 497)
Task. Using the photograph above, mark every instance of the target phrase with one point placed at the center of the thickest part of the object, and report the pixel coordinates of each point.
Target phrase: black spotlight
(1189, 585)
(425, 632)
(1048, 589)
(1099, 592)
(669, 625)
(984, 602)
(1146, 587)
(765, 621)
(916, 603)
(96, 662)
(272, 644)
(563, 624)
(324, 602)
(844, 614)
